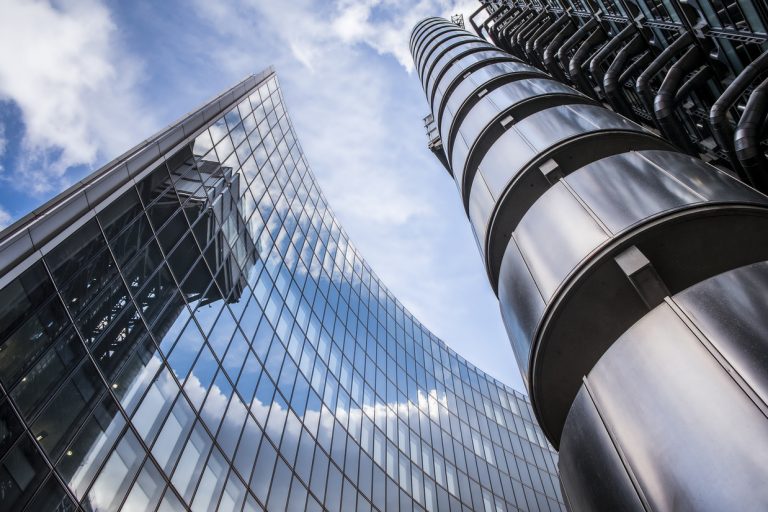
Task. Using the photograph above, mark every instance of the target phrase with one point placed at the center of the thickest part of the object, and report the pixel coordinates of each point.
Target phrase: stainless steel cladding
(631, 276)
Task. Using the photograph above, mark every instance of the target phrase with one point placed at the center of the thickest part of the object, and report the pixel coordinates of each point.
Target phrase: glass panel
(48, 373)
(21, 471)
(67, 409)
(192, 462)
(82, 267)
(91, 446)
(146, 491)
(10, 427)
(211, 483)
(20, 347)
(158, 400)
(171, 439)
(115, 478)
(51, 496)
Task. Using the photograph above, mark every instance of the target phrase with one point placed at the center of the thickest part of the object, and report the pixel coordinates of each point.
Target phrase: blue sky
(88, 79)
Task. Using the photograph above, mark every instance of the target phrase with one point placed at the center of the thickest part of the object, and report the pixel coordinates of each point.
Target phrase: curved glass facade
(191, 328)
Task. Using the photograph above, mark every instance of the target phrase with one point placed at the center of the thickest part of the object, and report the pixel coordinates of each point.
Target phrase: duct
(697, 79)
(505, 12)
(508, 32)
(550, 53)
(643, 60)
(614, 78)
(519, 37)
(718, 115)
(749, 151)
(530, 55)
(547, 36)
(664, 103)
(643, 85)
(613, 45)
(580, 58)
(583, 32)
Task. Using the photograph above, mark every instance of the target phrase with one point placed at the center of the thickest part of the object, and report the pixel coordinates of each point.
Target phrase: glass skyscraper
(191, 328)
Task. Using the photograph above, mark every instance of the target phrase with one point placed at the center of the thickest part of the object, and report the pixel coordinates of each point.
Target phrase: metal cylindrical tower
(631, 278)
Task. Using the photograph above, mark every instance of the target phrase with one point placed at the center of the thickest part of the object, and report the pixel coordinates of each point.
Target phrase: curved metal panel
(428, 34)
(467, 91)
(475, 87)
(435, 40)
(586, 222)
(465, 143)
(592, 473)
(597, 302)
(421, 26)
(450, 60)
(660, 381)
(473, 62)
(451, 46)
(461, 66)
(439, 45)
(730, 310)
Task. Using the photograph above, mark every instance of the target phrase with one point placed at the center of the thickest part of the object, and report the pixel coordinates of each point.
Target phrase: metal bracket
(644, 278)
(552, 171)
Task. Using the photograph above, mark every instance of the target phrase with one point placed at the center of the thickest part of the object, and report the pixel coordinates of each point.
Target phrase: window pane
(91, 446)
(116, 476)
(21, 471)
(146, 491)
(211, 483)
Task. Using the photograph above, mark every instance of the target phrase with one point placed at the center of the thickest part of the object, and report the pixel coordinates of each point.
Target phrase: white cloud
(3, 140)
(74, 85)
(344, 69)
(5, 218)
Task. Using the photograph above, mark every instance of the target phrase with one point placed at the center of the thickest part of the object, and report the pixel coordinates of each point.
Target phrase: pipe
(579, 59)
(664, 103)
(614, 78)
(643, 84)
(531, 56)
(524, 34)
(472, 17)
(562, 53)
(632, 69)
(718, 115)
(547, 36)
(508, 31)
(747, 139)
(493, 30)
(697, 79)
(549, 53)
(603, 53)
